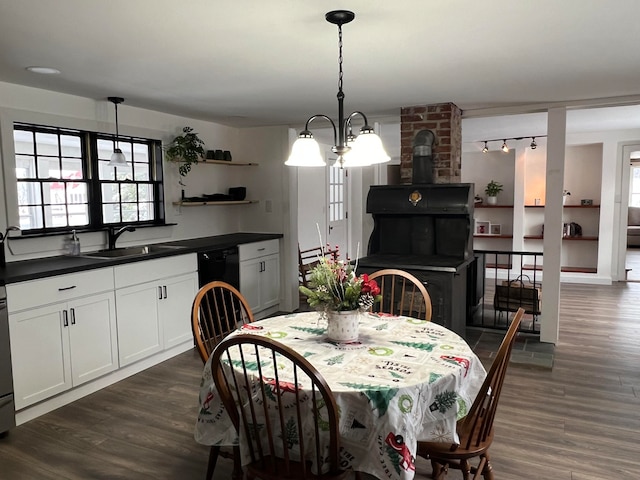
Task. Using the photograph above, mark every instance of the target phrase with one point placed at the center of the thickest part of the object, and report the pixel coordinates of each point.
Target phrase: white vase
(342, 327)
(492, 200)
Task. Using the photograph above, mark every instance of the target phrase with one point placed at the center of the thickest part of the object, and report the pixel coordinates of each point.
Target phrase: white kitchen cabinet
(60, 346)
(260, 274)
(154, 305)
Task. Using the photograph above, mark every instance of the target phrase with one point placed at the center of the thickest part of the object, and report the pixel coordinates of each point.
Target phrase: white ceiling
(245, 63)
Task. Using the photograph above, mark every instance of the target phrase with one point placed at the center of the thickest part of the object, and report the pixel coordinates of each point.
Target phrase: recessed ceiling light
(44, 70)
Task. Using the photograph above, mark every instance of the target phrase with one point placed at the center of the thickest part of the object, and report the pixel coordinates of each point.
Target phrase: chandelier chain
(340, 58)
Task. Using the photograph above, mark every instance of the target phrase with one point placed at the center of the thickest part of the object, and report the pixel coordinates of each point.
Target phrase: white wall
(264, 146)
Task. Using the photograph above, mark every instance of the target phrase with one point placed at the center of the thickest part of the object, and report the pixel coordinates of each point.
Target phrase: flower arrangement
(335, 286)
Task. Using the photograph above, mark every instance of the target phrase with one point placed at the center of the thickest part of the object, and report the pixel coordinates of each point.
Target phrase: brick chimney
(443, 119)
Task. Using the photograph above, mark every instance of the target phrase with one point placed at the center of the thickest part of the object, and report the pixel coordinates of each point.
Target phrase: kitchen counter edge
(25, 270)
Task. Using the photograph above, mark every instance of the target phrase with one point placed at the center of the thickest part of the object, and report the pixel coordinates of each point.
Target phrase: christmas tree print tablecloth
(404, 380)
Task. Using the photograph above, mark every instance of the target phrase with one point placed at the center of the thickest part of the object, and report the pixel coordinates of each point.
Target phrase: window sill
(67, 231)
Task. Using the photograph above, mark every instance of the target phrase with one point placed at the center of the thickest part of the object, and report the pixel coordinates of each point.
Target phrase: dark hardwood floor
(578, 421)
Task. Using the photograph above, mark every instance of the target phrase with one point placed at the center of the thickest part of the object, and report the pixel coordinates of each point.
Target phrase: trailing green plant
(493, 188)
(186, 149)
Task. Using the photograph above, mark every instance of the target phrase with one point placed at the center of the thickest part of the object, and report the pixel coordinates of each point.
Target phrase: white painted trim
(34, 411)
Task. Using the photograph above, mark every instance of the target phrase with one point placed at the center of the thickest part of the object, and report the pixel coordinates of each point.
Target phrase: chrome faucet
(113, 235)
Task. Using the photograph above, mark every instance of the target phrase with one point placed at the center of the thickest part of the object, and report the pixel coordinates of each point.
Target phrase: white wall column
(552, 243)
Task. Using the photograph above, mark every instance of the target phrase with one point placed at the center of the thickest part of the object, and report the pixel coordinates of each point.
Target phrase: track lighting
(505, 147)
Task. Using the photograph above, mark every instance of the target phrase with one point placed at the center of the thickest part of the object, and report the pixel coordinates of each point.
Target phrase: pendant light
(117, 157)
(363, 150)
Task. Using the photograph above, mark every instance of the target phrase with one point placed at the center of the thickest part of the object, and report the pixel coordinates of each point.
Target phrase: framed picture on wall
(495, 229)
(482, 228)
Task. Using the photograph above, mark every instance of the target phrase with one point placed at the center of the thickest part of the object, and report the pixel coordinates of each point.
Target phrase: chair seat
(443, 450)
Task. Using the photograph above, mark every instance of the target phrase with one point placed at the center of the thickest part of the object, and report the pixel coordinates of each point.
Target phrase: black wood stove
(425, 229)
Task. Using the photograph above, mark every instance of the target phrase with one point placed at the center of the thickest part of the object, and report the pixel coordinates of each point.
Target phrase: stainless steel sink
(137, 251)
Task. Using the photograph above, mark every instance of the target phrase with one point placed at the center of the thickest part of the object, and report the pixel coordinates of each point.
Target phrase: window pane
(29, 193)
(53, 192)
(146, 211)
(111, 213)
(110, 192)
(105, 171)
(129, 212)
(48, 167)
(70, 145)
(79, 214)
(30, 217)
(25, 166)
(124, 173)
(140, 153)
(105, 149)
(128, 192)
(55, 216)
(23, 142)
(141, 171)
(47, 144)
(77, 192)
(72, 168)
(145, 193)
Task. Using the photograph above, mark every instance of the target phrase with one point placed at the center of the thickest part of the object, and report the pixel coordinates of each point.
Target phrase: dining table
(404, 380)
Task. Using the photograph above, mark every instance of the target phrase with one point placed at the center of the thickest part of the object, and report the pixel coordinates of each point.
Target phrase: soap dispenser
(74, 244)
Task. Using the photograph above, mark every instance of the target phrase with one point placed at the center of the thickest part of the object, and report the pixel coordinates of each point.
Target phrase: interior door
(337, 215)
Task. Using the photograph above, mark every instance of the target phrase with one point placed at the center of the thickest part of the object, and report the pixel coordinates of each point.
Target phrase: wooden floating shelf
(564, 206)
(480, 205)
(488, 235)
(499, 266)
(226, 202)
(564, 269)
(229, 164)
(588, 238)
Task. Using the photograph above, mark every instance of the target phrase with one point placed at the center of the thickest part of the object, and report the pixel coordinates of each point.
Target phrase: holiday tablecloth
(403, 380)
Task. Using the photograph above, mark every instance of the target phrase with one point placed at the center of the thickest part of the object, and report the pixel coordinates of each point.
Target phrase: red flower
(369, 286)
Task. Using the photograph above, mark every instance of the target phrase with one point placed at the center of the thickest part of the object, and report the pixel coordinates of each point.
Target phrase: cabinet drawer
(34, 293)
(150, 270)
(258, 249)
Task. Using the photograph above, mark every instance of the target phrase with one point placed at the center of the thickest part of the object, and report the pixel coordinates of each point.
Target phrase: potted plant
(186, 149)
(335, 288)
(492, 190)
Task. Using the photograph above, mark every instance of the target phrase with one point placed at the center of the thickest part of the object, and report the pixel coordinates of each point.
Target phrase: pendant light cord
(117, 131)
(340, 59)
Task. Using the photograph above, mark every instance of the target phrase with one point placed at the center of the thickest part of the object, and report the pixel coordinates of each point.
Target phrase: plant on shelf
(186, 149)
(492, 190)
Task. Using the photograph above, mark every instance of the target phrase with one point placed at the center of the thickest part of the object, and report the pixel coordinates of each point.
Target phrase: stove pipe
(423, 157)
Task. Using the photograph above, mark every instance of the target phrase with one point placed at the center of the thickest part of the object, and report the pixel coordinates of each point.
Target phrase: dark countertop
(51, 266)
(433, 263)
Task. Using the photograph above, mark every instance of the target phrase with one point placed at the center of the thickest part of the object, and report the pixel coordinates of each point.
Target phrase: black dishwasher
(221, 264)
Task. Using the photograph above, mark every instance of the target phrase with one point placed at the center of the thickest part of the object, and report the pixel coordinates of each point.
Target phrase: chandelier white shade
(363, 150)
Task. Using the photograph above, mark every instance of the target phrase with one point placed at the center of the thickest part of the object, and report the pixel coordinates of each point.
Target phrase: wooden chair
(218, 309)
(476, 429)
(269, 412)
(308, 259)
(402, 294)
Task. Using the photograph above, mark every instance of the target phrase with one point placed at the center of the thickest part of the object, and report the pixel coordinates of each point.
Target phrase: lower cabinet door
(175, 308)
(270, 281)
(92, 335)
(139, 328)
(39, 354)
(250, 278)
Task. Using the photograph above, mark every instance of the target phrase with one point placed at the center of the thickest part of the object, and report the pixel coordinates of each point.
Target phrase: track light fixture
(505, 148)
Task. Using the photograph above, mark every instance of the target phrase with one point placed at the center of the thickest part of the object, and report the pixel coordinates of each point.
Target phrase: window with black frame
(64, 180)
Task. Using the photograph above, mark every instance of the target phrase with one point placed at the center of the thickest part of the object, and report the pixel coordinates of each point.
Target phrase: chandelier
(353, 151)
